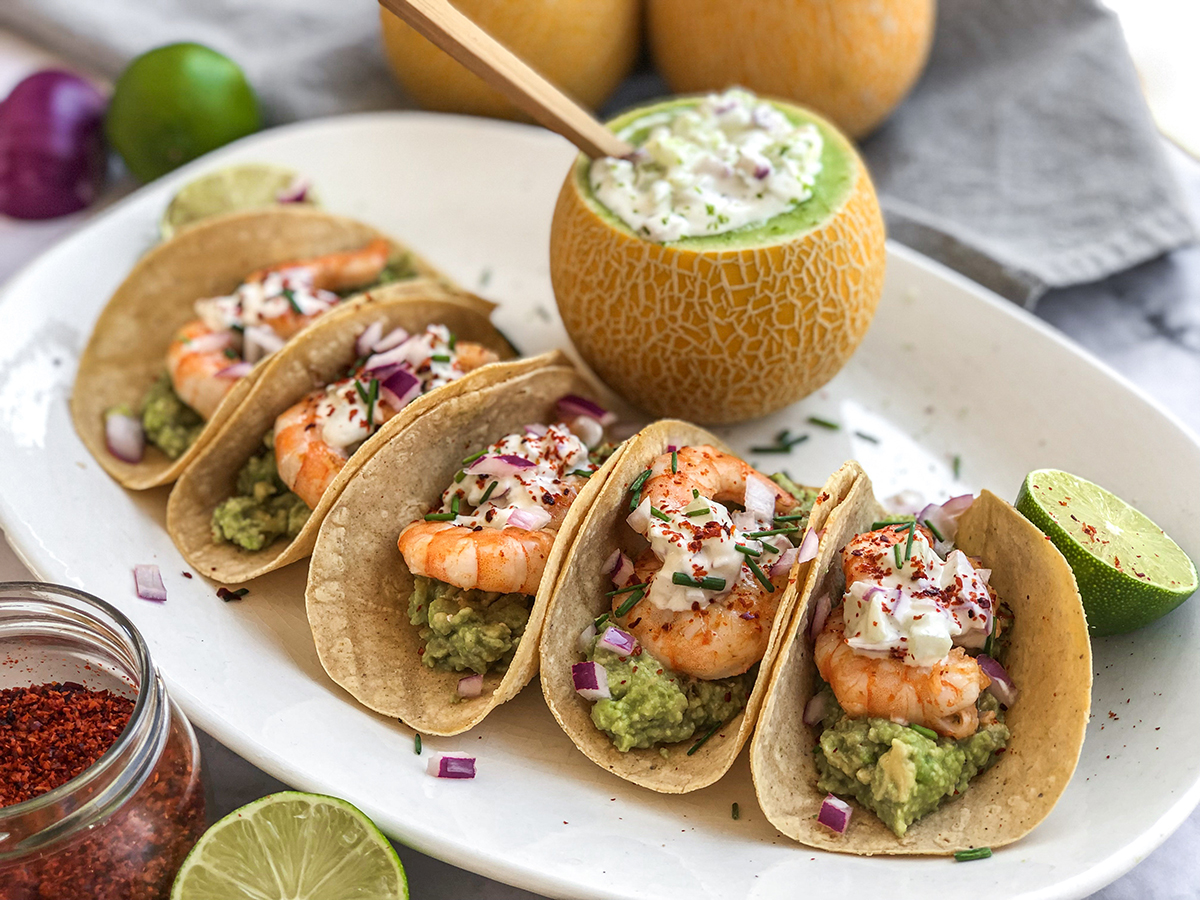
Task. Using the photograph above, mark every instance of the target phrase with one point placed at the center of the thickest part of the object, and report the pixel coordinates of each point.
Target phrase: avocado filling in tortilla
(467, 629)
(170, 424)
(897, 772)
(262, 509)
(651, 705)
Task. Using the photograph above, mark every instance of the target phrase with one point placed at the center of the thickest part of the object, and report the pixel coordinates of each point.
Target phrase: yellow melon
(585, 47)
(851, 60)
(727, 327)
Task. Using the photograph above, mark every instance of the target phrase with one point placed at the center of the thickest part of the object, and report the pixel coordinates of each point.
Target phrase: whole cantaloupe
(727, 327)
(850, 60)
(585, 47)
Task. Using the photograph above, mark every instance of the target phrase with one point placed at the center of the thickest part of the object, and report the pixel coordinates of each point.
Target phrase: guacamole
(398, 268)
(263, 508)
(467, 629)
(894, 771)
(650, 704)
(805, 496)
(170, 424)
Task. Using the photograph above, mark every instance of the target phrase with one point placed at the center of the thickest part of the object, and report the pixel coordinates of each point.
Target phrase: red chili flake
(728, 696)
(186, 574)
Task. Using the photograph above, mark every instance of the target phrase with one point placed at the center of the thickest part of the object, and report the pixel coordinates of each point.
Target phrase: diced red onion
(470, 686)
(815, 708)
(587, 429)
(821, 607)
(956, 506)
(404, 352)
(295, 192)
(591, 681)
(390, 341)
(834, 814)
(445, 765)
(984, 574)
(619, 567)
(214, 340)
(808, 546)
(944, 516)
(618, 641)
(536, 429)
(639, 519)
(125, 437)
(1002, 687)
(585, 637)
(783, 565)
(759, 498)
(149, 583)
(259, 341)
(403, 385)
(572, 405)
(239, 369)
(529, 519)
(367, 341)
(500, 466)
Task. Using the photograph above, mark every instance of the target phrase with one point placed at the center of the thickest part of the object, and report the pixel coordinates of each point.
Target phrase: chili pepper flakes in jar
(100, 787)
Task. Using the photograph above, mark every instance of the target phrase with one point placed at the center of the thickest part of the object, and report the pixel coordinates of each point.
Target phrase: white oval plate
(947, 370)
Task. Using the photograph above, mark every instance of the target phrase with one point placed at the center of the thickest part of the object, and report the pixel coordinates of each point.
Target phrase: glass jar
(120, 829)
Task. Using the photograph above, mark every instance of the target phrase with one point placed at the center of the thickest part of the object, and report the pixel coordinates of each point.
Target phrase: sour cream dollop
(919, 609)
(259, 302)
(730, 161)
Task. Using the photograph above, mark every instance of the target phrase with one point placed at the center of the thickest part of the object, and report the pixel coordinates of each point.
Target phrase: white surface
(945, 370)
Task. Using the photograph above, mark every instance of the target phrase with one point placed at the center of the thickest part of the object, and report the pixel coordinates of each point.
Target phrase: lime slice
(1128, 571)
(292, 846)
(248, 186)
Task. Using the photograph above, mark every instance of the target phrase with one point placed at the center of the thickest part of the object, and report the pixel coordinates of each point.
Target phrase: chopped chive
(957, 465)
(977, 853)
(583, 473)
(787, 529)
(227, 595)
(783, 437)
(454, 505)
(695, 494)
(453, 340)
(760, 574)
(770, 548)
(698, 512)
(684, 579)
(238, 327)
(439, 517)
(749, 551)
(631, 602)
(867, 437)
(440, 357)
(290, 296)
(794, 517)
(600, 620)
(474, 456)
(797, 440)
(896, 549)
(937, 534)
(230, 353)
(491, 487)
(372, 399)
(362, 391)
(712, 583)
(908, 544)
(884, 523)
(674, 461)
(925, 732)
(417, 744)
(659, 514)
(824, 423)
(460, 476)
(990, 643)
(627, 589)
(736, 813)
(771, 449)
(700, 743)
(638, 482)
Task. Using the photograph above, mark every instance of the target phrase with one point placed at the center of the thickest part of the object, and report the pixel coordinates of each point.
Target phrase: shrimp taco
(254, 496)
(432, 572)
(178, 346)
(669, 610)
(933, 688)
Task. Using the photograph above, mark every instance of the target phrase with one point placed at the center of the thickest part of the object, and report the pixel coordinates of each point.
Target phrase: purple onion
(572, 405)
(639, 519)
(404, 385)
(52, 158)
(619, 567)
(470, 686)
(499, 466)
(367, 341)
(238, 369)
(808, 546)
(834, 814)
(148, 580)
(821, 608)
(443, 765)
(815, 708)
(296, 192)
(124, 437)
(782, 566)
(391, 340)
(1002, 687)
(617, 641)
(536, 430)
(585, 637)
(259, 341)
(529, 519)
(590, 680)
(213, 340)
(587, 429)
(759, 499)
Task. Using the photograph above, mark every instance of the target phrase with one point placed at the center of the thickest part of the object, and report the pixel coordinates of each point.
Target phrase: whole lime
(175, 103)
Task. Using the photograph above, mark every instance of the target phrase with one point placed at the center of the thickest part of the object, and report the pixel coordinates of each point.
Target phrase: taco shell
(359, 586)
(127, 350)
(1049, 660)
(580, 598)
(315, 357)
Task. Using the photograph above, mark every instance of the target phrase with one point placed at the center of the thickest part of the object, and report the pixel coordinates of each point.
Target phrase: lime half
(292, 846)
(247, 186)
(1128, 571)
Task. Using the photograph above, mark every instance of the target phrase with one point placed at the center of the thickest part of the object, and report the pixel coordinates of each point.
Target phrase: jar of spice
(100, 788)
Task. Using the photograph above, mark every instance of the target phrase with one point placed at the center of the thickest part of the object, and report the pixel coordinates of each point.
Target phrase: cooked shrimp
(508, 560)
(716, 475)
(195, 360)
(337, 271)
(941, 697)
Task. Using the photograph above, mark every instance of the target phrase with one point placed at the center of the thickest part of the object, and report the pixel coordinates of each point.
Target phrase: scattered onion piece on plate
(149, 583)
(835, 814)
(124, 436)
(470, 686)
(446, 765)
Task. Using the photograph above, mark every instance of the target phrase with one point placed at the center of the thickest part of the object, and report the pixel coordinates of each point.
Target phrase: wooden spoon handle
(454, 33)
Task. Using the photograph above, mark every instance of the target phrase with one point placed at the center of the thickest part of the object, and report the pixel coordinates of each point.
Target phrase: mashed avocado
(806, 497)
(894, 771)
(467, 629)
(170, 424)
(263, 508)
(652, 705)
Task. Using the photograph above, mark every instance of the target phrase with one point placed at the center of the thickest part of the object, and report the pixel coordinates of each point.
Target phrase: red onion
(1002, 687)
(529, 519)
(572, 405)
(402, 353)
(782, 566)
(500, 466)
(536, 430)
(815, 708)
(214, 340)
(470, 686)
(296, 192)
(619, 567)
(639, 519)
(587, 430)
(238, 369)
(149, 583)
(52, 159)
(617, 641)
(821, 607)
(125, 437)
(585, 637)
(259, 341)
(808, 546)
(444, 765)
(759, 499)
(984, 574)
(834, 814)
(404, 387)
(590, 680)
(391, 340)
(369, 339)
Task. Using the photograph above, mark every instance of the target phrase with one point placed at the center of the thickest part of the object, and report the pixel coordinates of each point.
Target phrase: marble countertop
(1144, 323)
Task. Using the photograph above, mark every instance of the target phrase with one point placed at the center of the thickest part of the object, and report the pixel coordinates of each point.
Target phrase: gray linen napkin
(1025, 158)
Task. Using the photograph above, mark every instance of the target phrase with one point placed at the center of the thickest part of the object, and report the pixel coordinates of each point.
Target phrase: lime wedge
(246, 186)
(292, 846)
(1128, 571)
